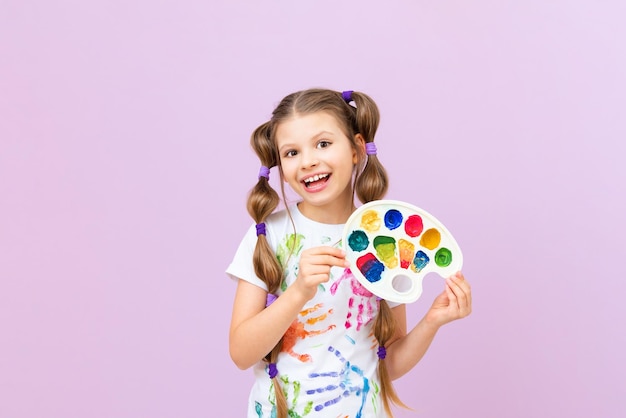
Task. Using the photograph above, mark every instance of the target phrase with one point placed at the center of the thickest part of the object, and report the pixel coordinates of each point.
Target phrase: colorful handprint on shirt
(297, 331)
(348, 381)
(292, 394)
(361, 301)
(288, 251)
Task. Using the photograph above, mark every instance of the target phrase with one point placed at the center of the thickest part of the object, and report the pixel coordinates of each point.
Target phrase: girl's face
(317, 161)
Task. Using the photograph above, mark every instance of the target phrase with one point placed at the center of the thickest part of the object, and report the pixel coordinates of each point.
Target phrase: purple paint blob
(393, 219)
(370, 267)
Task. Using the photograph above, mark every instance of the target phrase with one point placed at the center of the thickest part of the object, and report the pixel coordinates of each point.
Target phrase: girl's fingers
(454, 288)
(321, 264)
(328, 256)
(329, 260)
(324, 250)
(459, 280)
(451, 294)
(462, 292)
(316, 263)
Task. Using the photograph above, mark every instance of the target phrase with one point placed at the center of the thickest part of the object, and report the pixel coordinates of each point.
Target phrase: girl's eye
(323, 144)
(291, 153)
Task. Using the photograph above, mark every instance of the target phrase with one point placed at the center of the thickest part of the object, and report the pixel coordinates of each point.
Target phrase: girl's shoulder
(282, 218)
(279, 216)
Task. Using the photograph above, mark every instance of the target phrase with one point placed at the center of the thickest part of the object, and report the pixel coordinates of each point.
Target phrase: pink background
(124, 166)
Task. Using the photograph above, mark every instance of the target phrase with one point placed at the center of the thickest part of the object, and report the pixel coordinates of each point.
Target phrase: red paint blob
(413, 226)
(361, 261)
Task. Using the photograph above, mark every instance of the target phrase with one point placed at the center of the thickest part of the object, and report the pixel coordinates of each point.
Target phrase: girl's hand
(314, 269)
(454, 303)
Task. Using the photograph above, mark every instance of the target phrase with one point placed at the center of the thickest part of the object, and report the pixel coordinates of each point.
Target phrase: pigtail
(372, 181)
(262, 201)
(384, 329)
(282, 409)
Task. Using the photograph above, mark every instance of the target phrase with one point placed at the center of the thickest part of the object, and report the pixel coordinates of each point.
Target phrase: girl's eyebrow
(322, 133)
(285, 146)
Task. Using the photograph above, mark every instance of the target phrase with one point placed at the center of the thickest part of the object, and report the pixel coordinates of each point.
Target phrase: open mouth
(316, 180)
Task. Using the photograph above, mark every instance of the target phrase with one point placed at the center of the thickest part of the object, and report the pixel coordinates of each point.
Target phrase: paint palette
(392, 245)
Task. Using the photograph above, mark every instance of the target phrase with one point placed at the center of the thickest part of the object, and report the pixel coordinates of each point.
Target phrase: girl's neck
(337, 213)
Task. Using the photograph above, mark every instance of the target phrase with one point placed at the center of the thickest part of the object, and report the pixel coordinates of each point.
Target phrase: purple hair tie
(260, 229)
(272, 370)
(382, 353)
(370, 148)
(264, 172)
(347, 95)
(270, 299)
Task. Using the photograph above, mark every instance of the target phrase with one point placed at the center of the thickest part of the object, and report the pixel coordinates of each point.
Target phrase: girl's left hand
(454, 303)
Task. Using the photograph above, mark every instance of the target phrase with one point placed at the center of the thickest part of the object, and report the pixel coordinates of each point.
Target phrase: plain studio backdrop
(125, 164)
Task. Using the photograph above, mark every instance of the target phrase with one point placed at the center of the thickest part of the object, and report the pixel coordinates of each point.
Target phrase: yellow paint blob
(370, 221)
(387, 254)
(430, 239)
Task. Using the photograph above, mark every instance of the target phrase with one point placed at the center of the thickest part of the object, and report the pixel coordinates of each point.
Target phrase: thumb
(442, 298)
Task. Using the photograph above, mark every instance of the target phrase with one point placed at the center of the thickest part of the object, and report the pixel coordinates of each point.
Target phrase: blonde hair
(370, 183)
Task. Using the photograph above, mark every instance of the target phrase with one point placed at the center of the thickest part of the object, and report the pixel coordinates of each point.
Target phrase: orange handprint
(297, 331)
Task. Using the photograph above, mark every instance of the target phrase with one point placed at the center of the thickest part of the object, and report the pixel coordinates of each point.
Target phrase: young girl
(321, 345)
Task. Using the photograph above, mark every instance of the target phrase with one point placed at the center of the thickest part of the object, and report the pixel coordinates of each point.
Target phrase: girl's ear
(360, 143)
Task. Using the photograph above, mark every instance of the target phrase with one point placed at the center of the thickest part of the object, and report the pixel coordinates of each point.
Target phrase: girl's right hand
(314, 269)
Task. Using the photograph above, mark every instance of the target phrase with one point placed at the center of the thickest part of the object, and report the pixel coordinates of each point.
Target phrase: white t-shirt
(328, 361)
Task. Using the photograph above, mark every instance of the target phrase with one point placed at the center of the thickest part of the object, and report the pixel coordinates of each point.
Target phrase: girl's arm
(406, 350)
(255, 329)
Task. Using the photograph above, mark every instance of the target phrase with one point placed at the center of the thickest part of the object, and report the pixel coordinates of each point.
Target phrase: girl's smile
(314, 183)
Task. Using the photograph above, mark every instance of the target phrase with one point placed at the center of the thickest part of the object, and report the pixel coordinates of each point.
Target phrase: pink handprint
(361, 299)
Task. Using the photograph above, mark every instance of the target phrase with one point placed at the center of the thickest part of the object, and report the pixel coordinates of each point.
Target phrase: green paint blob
(443, 257)
(386, 250)
(291, 245)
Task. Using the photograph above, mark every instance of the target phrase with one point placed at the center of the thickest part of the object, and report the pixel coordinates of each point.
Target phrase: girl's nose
(309, 159)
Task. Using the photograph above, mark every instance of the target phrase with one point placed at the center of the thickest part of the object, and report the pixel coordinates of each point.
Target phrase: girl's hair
(370, 183)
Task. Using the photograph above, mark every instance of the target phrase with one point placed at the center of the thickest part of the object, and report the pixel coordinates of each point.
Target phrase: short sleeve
(393, 304)
(242, 267)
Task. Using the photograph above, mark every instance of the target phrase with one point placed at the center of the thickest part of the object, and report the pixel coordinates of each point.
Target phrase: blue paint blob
(393, 219)
(420, 261)
(358, 241)
(372, 270)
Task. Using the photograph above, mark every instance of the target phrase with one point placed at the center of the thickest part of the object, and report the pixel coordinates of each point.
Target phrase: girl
(320, 343)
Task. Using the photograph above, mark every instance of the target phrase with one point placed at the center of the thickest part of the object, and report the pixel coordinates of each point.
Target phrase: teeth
(315, 178)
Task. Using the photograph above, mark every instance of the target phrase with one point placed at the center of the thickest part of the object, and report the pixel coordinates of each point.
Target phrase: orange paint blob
(431, 239)
(407, 250)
